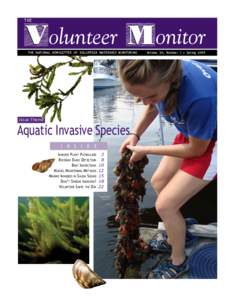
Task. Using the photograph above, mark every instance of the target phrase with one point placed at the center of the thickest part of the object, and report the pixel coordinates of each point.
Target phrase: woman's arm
(149, 114)
(147, 117)
(194, 148)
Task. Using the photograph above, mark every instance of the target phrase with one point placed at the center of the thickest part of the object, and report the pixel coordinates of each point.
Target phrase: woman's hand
(132, 140)
(138, 152)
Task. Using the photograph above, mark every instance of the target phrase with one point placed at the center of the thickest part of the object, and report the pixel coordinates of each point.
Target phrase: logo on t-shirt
(176, 121)
(204, 72)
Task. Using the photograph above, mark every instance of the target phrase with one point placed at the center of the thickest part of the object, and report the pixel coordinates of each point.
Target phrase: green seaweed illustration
(40, 86)
(53, 232)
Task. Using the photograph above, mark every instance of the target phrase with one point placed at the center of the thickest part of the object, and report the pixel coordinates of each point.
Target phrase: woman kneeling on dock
(185, 94)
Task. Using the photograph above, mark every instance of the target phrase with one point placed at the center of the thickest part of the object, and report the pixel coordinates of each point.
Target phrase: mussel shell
(43, 166)
(85, 277)
(35, 166)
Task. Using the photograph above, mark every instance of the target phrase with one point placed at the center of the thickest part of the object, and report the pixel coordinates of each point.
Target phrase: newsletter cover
(116, 133)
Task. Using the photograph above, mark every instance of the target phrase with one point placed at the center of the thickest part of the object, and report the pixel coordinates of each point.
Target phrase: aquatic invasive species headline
(45, 130)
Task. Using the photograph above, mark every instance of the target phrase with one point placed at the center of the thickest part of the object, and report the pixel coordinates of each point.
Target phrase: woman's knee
(158, 183)
(165, 206)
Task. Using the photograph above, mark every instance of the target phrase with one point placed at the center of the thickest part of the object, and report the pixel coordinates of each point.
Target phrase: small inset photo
(53, 230)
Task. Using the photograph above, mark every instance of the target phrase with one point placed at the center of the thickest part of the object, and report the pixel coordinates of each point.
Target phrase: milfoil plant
(40, 85)
(56, 231)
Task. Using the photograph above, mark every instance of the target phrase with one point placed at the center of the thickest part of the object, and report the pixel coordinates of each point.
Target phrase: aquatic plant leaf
(31, 93)
(73, 73)
(43, 91)
(77, 64)
(67, 228)
(59, 111)
(51, 78)
(54, 113)
(46, 111)
(71, 90)
(89, 70)
(82, 241)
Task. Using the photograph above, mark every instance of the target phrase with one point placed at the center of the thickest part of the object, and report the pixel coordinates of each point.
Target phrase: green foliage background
(53, 230)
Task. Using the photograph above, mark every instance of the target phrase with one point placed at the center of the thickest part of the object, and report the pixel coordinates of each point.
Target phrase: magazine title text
(45, 130)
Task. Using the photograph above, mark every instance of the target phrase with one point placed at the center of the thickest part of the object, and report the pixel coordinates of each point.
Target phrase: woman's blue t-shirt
(196, 111)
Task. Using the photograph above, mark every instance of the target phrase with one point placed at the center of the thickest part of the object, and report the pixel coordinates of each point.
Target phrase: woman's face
(148, 94)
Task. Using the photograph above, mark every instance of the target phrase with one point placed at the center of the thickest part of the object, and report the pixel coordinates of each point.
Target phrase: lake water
(113, 107)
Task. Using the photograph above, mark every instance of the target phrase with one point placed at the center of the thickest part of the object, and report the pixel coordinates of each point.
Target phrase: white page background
(56, 281)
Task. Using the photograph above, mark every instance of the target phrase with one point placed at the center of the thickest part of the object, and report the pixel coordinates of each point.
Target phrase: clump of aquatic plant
(129, 189)
(53, 232)
(40, 84)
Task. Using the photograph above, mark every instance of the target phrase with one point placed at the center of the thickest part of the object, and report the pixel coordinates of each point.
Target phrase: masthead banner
(117, 36)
